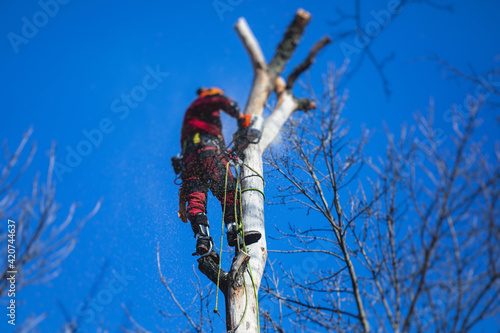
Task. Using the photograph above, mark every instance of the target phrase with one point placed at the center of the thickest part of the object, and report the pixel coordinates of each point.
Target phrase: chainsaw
(249, 132)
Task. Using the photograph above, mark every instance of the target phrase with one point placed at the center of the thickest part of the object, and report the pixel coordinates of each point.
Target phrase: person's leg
(195, 189)
(225, 193)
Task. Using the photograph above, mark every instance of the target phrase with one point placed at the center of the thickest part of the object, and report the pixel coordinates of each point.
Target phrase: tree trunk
(242, 304)
(241, 285)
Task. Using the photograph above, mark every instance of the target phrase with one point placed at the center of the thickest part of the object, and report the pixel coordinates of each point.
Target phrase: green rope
(252, 188)
(258, 174)
(221, 240)
(242, 233)
(255, 189)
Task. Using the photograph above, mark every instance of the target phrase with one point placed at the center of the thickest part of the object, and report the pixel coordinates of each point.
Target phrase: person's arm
(233, 109)
(226, 104)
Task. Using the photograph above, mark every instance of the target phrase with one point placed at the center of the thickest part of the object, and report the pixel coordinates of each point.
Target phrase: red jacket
(203, 115)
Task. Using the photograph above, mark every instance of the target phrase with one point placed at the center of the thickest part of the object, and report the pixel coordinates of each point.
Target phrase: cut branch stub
(208, 267)
(307, 62)
(305, 104)
(238, 267)
(287, 46)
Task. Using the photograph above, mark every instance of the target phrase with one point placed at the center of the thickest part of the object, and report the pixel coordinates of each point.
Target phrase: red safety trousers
(204, 169)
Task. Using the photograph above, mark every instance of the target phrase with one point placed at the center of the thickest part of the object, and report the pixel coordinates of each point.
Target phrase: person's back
(203, 115)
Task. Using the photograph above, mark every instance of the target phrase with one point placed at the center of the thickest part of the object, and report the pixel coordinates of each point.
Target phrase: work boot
(204, 243)
(233, 233)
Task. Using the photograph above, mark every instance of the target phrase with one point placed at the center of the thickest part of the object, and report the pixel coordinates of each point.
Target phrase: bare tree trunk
(242, 311)
(242, 303)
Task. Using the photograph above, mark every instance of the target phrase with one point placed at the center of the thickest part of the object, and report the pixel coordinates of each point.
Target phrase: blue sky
(69, 77)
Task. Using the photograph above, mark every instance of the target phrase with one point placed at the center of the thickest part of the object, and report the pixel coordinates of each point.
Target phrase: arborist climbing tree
(203, 165)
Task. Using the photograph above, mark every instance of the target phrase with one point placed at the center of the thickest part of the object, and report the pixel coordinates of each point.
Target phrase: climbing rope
(255, 189)
(221, 241)
(256, 173)
(238, 194)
